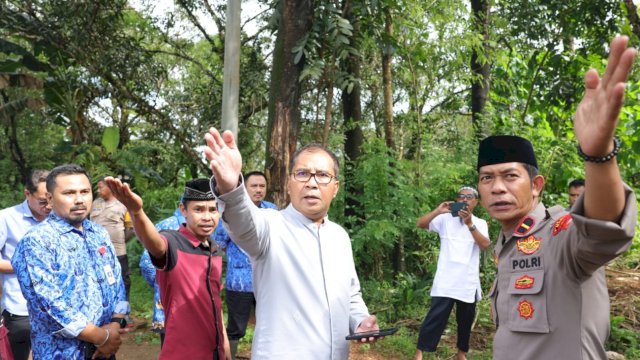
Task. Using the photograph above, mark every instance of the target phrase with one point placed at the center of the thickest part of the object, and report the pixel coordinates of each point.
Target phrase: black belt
(7, 314)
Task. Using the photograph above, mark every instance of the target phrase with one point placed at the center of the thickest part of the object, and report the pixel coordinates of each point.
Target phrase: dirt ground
(130, 350)
(624, 290)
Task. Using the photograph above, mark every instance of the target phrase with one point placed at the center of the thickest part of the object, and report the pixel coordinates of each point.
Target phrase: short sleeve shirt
(458, 273)
(111, 215)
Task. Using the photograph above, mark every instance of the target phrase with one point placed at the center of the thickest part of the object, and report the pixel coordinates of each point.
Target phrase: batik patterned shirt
(70, 278)
(239, 274)
(149, 271)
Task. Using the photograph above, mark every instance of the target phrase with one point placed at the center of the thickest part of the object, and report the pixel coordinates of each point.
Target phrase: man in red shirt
(188, 272)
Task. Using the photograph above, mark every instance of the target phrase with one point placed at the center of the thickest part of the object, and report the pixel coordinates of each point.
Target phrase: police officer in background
(550, 297)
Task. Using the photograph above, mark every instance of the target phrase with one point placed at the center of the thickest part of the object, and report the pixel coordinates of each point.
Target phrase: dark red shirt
(193, 328)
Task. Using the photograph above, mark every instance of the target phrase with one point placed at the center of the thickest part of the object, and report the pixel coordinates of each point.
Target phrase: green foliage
(622, 339)
(141, 297)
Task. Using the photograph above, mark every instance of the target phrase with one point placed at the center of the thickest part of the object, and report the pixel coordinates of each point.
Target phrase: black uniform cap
(500, 149)
(198, 189)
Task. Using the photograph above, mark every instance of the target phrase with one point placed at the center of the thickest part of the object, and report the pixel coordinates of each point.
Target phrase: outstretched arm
(146, 232)
(425, 220)
(225, 159)
(594, 125)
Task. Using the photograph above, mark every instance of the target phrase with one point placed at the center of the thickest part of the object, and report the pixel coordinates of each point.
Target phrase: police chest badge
(528, 245)
(525, 225)
(525, 309)
(562, 224)
(525, 282)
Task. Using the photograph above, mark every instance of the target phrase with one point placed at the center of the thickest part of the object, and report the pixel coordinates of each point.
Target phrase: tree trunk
(387, 86)
(327, 113)
(480, 66)
(354, 137)
(284, 95)
(632, 16)
(389, 127)
(11, 133)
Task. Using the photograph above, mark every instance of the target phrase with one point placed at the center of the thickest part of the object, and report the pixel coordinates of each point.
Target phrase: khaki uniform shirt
(111, 215)
(549, 299)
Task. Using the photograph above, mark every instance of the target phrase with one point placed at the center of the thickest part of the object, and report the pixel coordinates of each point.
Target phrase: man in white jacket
(307, 290)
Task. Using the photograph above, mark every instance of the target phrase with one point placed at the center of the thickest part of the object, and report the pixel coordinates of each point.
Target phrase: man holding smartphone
(457, 280)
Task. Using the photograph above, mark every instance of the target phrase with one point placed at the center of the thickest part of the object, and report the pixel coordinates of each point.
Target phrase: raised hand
(225, 159)
(123, 193)
(597, 114)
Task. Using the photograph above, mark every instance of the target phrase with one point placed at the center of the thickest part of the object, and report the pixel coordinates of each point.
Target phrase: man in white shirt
(14, 223)
(457, 280)
(306, 287)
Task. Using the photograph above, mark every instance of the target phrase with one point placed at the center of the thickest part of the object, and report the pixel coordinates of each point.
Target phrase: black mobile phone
(457, 206)
(374, 333)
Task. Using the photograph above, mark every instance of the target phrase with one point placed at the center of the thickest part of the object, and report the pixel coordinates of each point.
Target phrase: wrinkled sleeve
(436, 224)
(147, 269)
(593, 243)
(31, 262)
(244, 222)
(358, 310)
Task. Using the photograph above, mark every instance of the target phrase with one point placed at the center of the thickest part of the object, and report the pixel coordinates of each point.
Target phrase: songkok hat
(197, 189)
(500, 149)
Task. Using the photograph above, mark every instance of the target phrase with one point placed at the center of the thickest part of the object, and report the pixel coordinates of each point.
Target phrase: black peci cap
(500, 149)
(198, 189)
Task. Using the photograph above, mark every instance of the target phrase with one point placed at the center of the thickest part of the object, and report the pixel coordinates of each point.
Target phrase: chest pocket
(527, 302)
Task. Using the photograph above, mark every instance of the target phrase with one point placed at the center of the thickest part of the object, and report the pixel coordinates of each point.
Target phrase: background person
(576, 188)
(69, 273)
(238, 283)
(14, 223)
(307, 290)
(113, 216)
(457, 279)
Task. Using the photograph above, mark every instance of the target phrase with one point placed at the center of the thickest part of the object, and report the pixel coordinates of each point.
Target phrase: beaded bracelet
(602, 159)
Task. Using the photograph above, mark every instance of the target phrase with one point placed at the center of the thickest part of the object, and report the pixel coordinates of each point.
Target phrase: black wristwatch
(121, 321)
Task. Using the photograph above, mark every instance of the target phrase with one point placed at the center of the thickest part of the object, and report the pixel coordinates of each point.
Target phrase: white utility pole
(231, 84)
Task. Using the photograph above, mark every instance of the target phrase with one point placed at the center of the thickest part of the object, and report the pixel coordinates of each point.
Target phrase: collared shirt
(14, 223)
(148, 270)
(193, 325)
(111, 215)
(70, 278)
(458, 273)
(305, 283)
(550, 297)
(239, 274)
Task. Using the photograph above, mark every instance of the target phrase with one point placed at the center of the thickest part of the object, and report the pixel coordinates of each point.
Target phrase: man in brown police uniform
(550, 296)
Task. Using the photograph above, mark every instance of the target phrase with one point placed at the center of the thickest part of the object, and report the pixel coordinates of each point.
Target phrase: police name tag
(111, 279)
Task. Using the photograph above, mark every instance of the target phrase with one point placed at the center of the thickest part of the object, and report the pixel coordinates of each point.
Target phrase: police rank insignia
(525, 309)
(562, 224)
(525, 282)
(528, 245)
(525, 225)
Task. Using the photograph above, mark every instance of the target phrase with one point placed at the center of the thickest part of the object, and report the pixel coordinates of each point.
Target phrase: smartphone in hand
(374, 333)
(456, 207)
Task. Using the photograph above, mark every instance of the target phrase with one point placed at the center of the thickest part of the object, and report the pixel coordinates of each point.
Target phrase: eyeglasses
(320, 176)
(466, 196)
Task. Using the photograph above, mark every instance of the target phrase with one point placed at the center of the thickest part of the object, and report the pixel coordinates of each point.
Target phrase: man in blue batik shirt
(238, 284)
(69, 273)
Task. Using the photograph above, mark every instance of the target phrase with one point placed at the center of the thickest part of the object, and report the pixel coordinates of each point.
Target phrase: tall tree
(480, 65)
(352, 115)
(295, 20)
